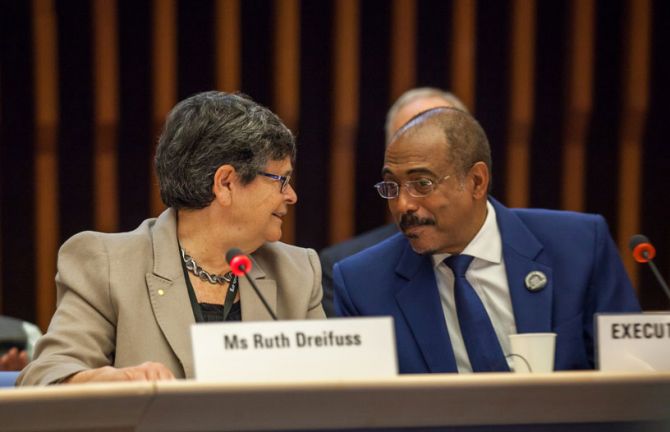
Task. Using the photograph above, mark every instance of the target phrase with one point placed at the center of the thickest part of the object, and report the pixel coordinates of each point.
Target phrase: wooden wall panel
(579, 102)
(164, 41)
(228, 45)
(403, 47)
(464, 39)
(287, 82)
(46, 157)
(521, 91)
(344, 120)
(286, 63)
(635, 106)
(106, 66)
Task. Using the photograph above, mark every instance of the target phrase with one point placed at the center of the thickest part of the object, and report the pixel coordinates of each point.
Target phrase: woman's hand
(147, 371)
(13, 360)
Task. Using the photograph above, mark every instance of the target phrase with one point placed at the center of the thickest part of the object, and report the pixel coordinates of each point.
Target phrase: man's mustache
(409, 220)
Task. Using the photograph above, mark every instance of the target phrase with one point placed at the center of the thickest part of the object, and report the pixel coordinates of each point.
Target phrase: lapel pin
(535, 281)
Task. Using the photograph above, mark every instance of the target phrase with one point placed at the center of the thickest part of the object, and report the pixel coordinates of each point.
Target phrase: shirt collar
(486, 245)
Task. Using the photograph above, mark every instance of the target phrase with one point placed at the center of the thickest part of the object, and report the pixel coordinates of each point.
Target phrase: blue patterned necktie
(480, 339)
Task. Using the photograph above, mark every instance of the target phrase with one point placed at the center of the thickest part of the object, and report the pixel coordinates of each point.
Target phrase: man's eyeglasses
(416, 188)
(283, 180)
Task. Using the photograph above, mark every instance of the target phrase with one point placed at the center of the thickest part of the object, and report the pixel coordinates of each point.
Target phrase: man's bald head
(466, 140)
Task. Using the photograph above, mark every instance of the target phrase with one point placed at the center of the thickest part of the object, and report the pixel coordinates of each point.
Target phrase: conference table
(574, 401)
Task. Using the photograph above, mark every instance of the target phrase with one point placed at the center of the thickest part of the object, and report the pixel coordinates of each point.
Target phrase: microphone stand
(258, 293)
(241, 264)
(659, 278)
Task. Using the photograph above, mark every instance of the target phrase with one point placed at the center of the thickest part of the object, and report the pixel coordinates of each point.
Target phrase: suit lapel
(252, 306)
(168, 292)
(418, 299)
(521, 252)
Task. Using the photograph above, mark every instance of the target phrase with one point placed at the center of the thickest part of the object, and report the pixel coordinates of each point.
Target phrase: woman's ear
(224, 176)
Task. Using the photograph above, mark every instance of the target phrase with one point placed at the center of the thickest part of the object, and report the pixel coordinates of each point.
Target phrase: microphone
(644, 252)
(240, 264)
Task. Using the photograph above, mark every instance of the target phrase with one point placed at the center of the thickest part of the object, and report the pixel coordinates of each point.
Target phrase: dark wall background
(62, 114)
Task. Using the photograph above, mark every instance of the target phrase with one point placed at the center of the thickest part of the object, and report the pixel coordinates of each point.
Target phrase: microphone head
(232, 253)
(636, 240)
(240, 264)
(643, 250)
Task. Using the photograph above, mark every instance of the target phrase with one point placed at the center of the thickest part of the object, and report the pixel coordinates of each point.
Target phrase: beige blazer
(122, 300)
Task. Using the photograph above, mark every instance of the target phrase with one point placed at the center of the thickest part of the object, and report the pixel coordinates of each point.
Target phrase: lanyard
(230, 297)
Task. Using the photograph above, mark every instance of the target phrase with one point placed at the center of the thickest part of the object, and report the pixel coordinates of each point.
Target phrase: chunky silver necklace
(194, 268)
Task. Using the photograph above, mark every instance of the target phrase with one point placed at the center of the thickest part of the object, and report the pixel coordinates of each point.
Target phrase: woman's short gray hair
(211, 129)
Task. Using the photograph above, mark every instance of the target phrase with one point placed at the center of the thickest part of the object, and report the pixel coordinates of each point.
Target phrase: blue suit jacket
(575, 251)
(338, 252)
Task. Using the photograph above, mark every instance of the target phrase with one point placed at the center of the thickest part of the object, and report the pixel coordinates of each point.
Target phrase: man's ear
(224, 177)
(480, 179)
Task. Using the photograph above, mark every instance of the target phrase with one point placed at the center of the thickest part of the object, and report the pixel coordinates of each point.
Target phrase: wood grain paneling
(164, 78)
(464, 40)
(579, 103)
(403, 47)
(287, 82)
(46, 158)
(345, 120)
(635, 106)
(521, 94)
(227, 34)
(105, 51)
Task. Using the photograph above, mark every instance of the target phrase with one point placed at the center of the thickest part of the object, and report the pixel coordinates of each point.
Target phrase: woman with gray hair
(126, 301)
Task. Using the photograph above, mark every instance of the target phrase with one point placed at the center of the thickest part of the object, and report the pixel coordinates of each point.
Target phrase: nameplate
(633, 342)
(341, 348)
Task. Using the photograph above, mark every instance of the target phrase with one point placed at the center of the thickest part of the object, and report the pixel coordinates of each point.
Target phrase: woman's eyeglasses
(283, 180)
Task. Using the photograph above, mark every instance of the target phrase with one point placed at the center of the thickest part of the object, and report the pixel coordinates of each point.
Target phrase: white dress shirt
(488, 277)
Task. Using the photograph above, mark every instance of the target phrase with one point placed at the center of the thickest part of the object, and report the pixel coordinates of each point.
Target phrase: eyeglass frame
(284, 180)
(408, 185)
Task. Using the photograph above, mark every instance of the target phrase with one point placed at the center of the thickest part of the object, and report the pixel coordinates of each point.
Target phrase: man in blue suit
(520, 271)
(409, 104)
